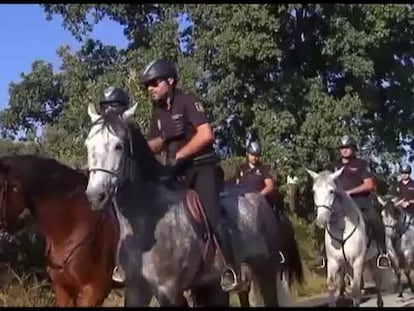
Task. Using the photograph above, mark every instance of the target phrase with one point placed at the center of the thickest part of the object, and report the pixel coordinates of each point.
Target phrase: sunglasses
(154, 83)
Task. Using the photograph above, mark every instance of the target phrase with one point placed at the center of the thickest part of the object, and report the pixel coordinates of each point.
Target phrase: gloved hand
(174, 129)
(179, 166)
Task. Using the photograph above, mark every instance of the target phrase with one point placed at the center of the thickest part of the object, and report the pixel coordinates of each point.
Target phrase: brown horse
(80, 243)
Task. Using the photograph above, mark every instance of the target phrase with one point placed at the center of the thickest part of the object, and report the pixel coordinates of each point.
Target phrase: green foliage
(296, 76)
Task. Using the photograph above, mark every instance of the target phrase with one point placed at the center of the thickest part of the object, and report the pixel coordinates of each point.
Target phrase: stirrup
(381, 256)
(233, 285)
(323, 265)
(117, 275)
(282, 260)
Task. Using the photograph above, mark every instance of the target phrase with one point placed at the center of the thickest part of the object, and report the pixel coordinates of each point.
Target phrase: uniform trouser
(368, 209)
(204, 181)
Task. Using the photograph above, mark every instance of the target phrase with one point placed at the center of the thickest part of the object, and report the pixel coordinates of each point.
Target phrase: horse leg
(244, 298)
(263, 281)
(342, 284)
(211, 296)
(137, 293)
(62, 297)
(333, 272)
(407, 270)
(376, 275)
(358, 268)
(92, 295)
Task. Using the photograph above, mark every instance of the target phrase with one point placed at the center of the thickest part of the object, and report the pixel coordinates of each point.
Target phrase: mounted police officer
(358, 182)
(254, 175)
(179, 126)
(405, 188)
(113, 98)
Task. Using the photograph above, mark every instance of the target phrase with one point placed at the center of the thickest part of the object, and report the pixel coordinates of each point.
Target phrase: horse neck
(346, 203)
(147, 168)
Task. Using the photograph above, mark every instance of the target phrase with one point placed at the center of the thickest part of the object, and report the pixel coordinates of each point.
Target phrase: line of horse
(151, 228)
(82, 242)
(349, 247)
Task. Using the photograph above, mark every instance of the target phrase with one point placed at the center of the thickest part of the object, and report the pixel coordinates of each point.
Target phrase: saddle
(198, 220)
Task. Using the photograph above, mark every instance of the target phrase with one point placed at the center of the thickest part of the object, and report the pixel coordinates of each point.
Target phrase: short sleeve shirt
(185, 104)
(355, 171)
(253, 178)
(406, 191)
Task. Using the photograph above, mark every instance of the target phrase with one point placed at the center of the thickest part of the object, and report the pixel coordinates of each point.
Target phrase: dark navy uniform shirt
(191, 109)
(406, 192)
(355, 171)
(253, 178)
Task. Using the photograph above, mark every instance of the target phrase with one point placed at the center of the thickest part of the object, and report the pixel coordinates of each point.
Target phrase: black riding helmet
(115, 95)
(158, 69)
(347, 141)
(254, 148)
(405, 169)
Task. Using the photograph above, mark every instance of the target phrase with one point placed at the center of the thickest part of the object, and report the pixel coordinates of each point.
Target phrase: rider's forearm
(155, 144)
(365, 187)
(266, 190)
(197, 143)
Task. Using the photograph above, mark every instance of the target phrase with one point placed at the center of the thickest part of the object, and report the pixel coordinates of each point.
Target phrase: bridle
(125, 171)
(341, 241)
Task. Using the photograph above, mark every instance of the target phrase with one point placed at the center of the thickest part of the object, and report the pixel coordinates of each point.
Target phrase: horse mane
(324, 177)
(149, 166)
(43, 176)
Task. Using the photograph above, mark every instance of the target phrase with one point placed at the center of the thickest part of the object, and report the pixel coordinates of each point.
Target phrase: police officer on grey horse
(179, 126)
(358, 182)
(405, 189)
(255, 176)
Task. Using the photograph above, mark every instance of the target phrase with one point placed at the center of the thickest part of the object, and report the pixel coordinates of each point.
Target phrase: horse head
(325, 190)
(390, 213)
(108, 146)
(13, 204)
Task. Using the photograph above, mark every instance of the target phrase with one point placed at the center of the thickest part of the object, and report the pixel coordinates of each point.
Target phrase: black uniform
(406, 192)
(252, 178)
(355, 171)
(201, 175)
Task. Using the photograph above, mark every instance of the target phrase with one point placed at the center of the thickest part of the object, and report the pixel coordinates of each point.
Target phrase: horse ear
(381, 200)
(337, 173)
(129, 112)
(92, 113)
(313, 174)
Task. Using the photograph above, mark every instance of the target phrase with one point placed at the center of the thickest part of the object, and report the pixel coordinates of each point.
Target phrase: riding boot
(230, 278)
(383, 260)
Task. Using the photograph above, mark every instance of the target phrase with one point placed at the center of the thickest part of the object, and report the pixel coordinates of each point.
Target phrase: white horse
(346, 242)
(399, 235)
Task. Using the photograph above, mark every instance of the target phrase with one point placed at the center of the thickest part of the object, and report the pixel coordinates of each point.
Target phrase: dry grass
(30, 291)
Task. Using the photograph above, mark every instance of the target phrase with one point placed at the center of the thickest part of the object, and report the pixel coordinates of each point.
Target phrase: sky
(27, 36)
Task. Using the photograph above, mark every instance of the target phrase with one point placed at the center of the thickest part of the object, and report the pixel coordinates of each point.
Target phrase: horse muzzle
(97, 198)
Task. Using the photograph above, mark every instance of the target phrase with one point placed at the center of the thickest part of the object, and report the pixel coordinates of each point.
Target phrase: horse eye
(118, 147)
(331, 191)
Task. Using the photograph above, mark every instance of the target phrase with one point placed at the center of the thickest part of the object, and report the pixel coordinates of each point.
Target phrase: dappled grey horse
(399, 234)
(346, 242)
(163, 249)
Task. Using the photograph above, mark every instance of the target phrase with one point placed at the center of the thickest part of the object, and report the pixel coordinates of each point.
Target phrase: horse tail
(293, 261)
